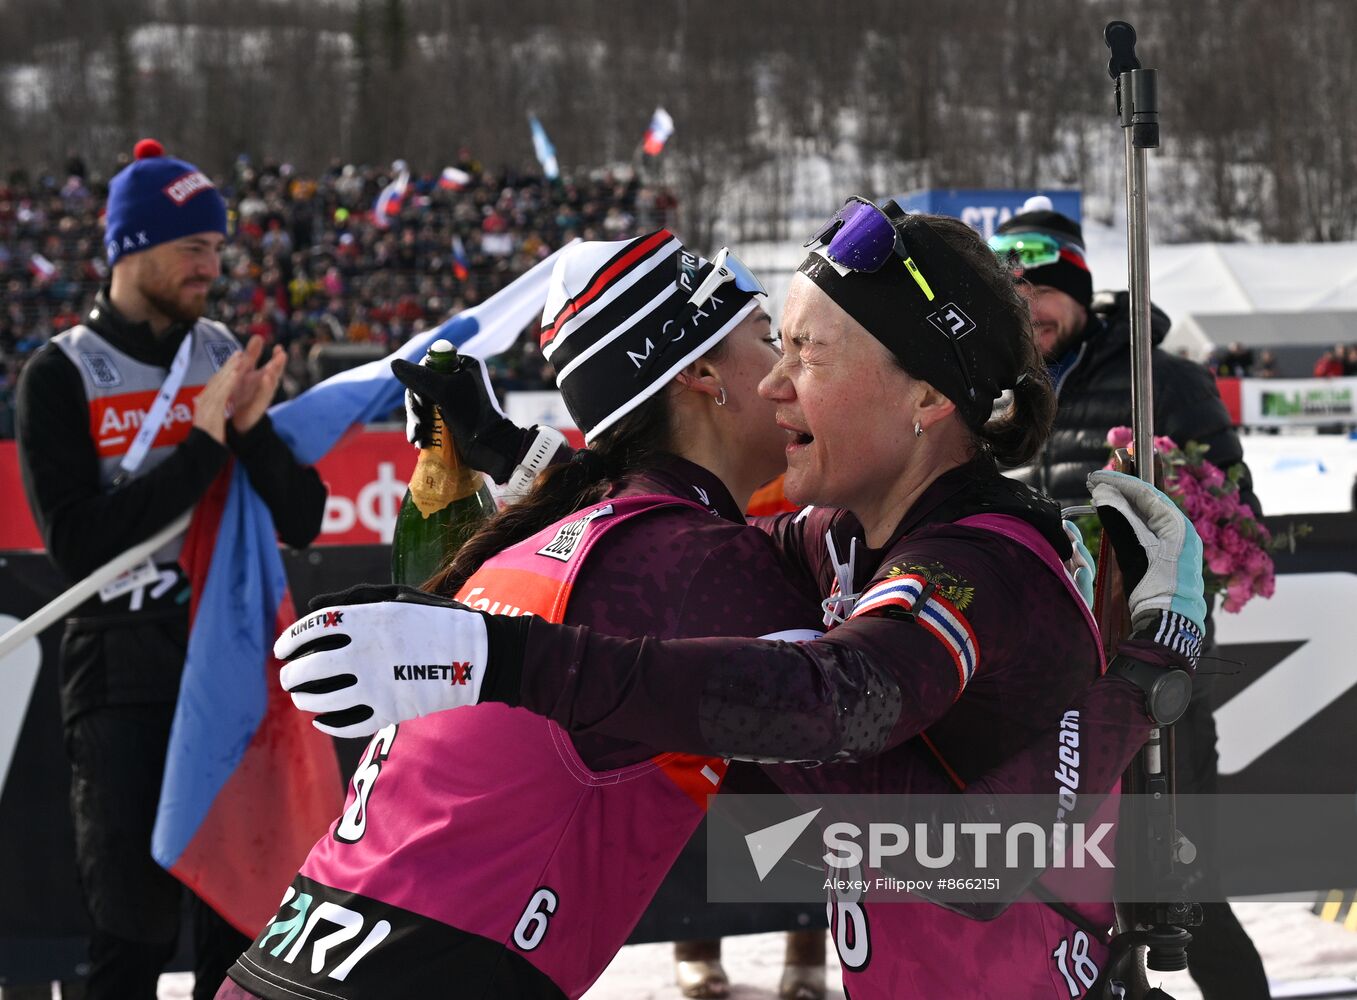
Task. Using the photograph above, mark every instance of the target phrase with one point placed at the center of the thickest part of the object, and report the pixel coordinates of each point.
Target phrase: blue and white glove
(361, 664)
(1160, 555)
(1081, 567)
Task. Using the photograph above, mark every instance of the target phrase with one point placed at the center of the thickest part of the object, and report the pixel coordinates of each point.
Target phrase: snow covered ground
(1302, 473)
(1302, 954)
(1297, 947)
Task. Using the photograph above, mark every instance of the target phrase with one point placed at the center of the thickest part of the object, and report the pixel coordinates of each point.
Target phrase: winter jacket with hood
(1093, 387)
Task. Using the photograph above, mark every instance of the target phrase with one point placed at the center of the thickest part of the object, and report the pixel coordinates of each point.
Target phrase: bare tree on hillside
(1260, 111)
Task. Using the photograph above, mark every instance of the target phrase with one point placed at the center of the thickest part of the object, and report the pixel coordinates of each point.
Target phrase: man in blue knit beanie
(163, 231)
(125, 421)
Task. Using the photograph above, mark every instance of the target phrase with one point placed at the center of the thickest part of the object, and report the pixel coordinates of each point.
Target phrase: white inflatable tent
(1295, 299)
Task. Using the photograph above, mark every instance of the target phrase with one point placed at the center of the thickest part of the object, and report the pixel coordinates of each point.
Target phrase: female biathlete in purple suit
(474, 846)
(957, 643)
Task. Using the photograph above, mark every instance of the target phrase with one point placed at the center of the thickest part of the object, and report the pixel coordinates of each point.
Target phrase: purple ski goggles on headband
(861, 237)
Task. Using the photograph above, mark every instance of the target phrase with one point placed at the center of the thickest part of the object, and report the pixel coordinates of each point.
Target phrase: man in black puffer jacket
(1086, 341)
(1093, 386)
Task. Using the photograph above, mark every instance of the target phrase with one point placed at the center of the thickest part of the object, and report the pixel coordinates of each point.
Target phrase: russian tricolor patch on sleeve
(899, 595)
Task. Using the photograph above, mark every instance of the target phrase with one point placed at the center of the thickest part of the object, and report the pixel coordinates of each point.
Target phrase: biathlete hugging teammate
(955, 640)
(474, 847)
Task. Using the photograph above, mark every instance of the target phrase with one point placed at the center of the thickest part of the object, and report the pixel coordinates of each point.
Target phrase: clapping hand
(210, 405)
(256, 386)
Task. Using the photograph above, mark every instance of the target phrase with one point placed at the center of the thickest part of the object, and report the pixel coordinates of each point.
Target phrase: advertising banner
(986, 209)
(366, 475)
(1293, 402)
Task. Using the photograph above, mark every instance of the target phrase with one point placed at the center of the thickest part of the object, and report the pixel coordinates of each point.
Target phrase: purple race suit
(957, 652)
(894, 949)
(486, 851)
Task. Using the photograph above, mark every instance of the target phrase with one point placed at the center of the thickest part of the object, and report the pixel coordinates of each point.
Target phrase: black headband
(939, 318)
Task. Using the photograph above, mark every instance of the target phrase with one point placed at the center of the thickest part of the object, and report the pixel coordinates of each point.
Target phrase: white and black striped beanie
(617, 325)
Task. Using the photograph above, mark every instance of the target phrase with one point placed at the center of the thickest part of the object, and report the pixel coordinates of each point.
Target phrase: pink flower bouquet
(1235, 544)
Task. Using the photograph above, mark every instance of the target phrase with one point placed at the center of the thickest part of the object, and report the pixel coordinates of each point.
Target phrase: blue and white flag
(546, 152)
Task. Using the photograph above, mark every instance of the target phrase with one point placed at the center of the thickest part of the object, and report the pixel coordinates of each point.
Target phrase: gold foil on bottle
(440, 478)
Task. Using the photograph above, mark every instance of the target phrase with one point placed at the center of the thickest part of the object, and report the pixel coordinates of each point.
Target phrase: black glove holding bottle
(488, 440)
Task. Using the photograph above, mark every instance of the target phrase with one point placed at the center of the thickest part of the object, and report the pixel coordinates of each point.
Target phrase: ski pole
(68, 600)
(1157, 925)
(1137, 95)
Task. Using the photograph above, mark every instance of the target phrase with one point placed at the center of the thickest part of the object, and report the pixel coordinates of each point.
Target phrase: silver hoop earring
(918, 429)
(721, 398)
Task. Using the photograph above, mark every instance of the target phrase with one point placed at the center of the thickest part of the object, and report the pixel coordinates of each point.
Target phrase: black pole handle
(1121, 39)
(1138, 100)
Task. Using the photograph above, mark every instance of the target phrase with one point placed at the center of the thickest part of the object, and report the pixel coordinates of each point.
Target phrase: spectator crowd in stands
(1237, 361)
(1337, 361)
(307, 265)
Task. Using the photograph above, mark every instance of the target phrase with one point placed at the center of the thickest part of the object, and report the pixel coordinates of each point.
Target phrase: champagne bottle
(447, 500)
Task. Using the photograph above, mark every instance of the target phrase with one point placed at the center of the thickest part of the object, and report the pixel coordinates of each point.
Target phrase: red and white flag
(42, 268)
(453, 179)
(389, 202)
(661, 128)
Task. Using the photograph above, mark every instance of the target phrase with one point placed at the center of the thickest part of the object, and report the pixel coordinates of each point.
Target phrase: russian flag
(453, 179)
(249, 784)
(661, 128)
(42, 268)
(461, 263)
(388, 203)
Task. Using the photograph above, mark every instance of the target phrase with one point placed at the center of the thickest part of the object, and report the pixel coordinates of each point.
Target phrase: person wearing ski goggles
(1086, 343)
(1046, 250)
(1027, 250)
(955, 641)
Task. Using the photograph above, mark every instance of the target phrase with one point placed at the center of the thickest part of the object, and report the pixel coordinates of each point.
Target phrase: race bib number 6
(354, 823)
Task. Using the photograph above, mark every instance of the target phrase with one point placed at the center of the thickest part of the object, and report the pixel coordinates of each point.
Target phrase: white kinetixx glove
(361, 666)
